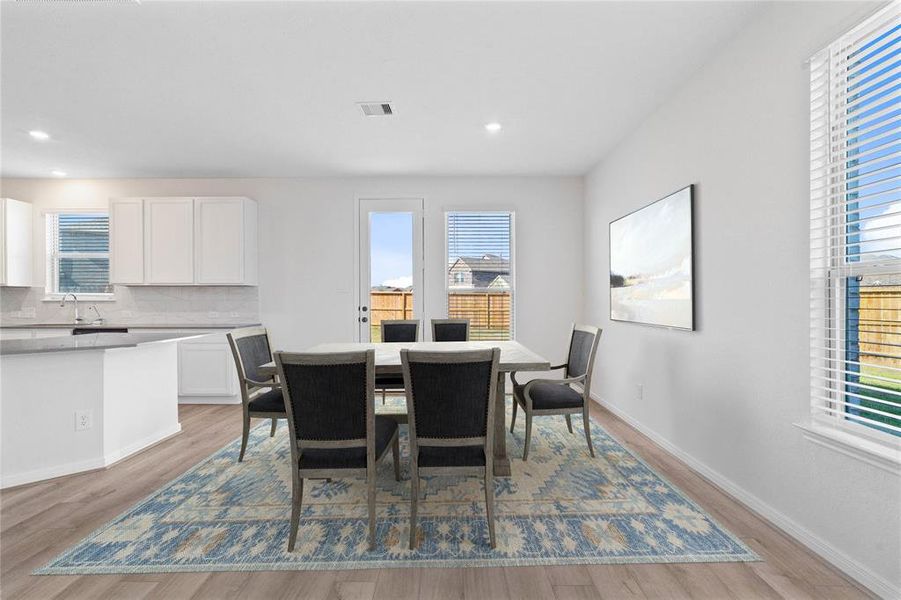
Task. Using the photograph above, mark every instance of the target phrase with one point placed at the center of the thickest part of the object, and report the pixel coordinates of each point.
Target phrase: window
(855, 241)
(78, 253)
(480, 273)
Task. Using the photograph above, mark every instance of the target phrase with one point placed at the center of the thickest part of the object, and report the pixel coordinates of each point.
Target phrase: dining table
(514, 357)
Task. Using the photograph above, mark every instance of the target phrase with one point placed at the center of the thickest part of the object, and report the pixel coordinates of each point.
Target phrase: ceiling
(269, 89)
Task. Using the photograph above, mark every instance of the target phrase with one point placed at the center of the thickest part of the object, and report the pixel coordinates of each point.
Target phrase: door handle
(364, 319)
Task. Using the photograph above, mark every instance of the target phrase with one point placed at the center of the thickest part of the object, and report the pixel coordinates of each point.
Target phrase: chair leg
(489, 504)
(244, 435)
(528, 442)
(370, 484)
(513, 420)
(383, 397)
(569, 423)
(274, 425)
(296, 501)
(587, 424)
(414, 498)
(395, 454)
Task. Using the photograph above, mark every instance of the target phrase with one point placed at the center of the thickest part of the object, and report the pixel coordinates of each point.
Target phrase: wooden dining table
(514, 357)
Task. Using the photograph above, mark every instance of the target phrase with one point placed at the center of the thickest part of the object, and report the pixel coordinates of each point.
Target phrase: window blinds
(480, 273)
(855, 235)
(78, 253)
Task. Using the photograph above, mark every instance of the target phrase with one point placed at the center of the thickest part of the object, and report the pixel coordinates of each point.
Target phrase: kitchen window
(78, 254)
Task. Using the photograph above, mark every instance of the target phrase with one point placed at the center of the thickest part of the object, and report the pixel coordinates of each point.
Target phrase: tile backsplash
(177, 305)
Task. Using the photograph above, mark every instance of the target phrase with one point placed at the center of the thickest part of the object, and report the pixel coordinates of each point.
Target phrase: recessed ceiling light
(58, 173)
(39, 135)
(492, 127)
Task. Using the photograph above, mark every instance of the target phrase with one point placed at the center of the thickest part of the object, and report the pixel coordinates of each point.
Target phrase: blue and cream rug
(561, 507)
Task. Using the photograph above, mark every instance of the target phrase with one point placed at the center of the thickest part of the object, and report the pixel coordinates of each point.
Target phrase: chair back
(583, 345)
(400, 330)
(329, 399)
(450, 330)
(250, 349)
(450, 397)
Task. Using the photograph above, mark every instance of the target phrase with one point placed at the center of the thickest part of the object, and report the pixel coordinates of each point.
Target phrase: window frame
(51, 260)
(831, 267)
(513, 275)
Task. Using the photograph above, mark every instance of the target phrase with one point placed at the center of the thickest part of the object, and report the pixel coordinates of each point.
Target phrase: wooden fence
(880, 325)
(488, 312)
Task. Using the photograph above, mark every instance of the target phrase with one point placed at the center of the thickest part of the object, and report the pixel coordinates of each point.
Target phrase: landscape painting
(651, 266)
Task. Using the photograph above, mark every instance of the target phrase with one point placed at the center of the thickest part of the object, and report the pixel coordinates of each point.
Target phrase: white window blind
(78, 253)
(855, 239)
(480, 273)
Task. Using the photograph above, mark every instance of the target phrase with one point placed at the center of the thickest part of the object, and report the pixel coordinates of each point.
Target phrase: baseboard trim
(209, 399)
(853, 569)
(111, 458)
(92, 464)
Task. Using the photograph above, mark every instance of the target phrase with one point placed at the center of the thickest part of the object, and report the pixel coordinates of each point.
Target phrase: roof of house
(487, 262)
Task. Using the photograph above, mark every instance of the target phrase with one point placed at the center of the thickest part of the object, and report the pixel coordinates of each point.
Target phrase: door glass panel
(390, 268)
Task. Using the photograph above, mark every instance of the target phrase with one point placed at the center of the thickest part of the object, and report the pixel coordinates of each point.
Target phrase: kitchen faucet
(62, 303)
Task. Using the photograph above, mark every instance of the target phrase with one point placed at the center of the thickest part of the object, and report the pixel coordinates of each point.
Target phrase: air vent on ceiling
(376, 109)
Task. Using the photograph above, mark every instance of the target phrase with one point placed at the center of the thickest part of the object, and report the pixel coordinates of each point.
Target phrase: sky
(391, 248)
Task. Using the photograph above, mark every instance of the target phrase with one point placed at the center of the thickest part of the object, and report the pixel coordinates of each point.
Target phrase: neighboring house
(478, 272)
(501, 282)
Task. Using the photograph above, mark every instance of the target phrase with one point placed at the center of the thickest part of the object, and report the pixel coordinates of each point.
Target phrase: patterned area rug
(561, 507)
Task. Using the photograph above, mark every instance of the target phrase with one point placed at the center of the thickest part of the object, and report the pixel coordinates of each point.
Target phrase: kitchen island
(76, 403)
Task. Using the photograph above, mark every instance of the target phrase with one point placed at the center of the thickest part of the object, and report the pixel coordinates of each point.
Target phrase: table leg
(501, 462)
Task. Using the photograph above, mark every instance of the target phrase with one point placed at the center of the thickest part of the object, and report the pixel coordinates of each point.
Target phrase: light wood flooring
(40, 520)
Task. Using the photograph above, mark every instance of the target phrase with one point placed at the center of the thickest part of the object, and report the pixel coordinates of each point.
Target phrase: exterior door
(390, 264)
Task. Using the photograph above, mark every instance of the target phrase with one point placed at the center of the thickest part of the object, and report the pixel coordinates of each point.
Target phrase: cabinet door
(219, 240)
(169, 241)
(206, 368)
(16, 243)
(126, 240)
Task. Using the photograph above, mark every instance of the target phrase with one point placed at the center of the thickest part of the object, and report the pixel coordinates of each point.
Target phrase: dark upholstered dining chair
(450, 330)
(261, 395)
(540, 397)
(406, 330)
(334, 431)
(450, 400)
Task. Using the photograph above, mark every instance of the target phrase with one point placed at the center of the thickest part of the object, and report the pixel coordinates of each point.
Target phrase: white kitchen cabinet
(183, 241)
(225, 241)
(206, 371)
(126, 241)
(15, 245)
(169, 241)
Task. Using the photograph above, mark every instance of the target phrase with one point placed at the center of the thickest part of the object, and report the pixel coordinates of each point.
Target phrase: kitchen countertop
(128, 325)
(91, 341)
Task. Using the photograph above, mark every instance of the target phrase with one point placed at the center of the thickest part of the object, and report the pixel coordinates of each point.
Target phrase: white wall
(307, 244)
(726, 396)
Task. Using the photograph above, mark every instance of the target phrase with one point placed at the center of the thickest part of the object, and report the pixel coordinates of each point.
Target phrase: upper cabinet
(183, 241)
(15, 245)
(126, 241)
(225, 241)
(169, 241)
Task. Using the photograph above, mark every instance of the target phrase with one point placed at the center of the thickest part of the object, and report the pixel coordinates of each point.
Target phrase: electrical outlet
(640, 391)
(84, 419)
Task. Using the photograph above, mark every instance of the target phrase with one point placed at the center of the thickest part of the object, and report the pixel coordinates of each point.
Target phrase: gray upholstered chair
(401, 330)
(334, 431)
(450, 400)
(450, 330)
(540, 397)
(261, 395)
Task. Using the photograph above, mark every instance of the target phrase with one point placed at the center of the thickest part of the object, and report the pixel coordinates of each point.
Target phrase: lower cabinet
(206, 371)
